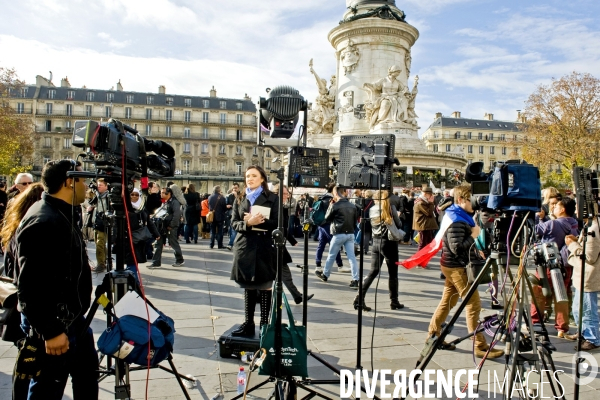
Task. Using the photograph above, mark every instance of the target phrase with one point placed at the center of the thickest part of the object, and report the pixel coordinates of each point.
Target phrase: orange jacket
(204, 211)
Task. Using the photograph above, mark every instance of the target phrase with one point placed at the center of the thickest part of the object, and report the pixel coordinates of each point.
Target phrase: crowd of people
(247, 216)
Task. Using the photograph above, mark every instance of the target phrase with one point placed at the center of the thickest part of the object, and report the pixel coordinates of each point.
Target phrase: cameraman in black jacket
(170, 223)
(55, 286)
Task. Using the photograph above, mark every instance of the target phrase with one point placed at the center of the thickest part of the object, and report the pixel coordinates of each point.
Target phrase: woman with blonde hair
(381, 214)
(548, 194)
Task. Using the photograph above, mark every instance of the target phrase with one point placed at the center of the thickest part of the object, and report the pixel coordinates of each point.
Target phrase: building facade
(486, 140)
(214, 138)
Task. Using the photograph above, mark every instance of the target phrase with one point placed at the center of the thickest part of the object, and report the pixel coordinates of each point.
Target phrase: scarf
(252, 195)
(136, 204)
(421, 258)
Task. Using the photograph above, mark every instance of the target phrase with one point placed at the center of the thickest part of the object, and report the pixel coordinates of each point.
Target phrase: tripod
(114, 286)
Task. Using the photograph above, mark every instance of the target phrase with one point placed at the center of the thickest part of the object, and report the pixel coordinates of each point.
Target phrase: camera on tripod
(547, 259)
(513, 185)
(107, 142)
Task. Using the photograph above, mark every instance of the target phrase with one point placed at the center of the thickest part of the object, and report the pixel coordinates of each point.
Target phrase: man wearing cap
(424, 218)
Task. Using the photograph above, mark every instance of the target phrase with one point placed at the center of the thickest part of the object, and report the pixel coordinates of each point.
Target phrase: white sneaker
(344, 269)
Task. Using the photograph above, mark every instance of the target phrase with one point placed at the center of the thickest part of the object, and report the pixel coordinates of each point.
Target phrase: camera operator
(170, 223)
(55, 286)
(99, 206)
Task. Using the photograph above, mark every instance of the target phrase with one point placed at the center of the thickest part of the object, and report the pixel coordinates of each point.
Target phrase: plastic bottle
(241, 381)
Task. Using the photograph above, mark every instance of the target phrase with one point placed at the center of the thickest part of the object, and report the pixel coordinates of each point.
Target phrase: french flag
(421, 258)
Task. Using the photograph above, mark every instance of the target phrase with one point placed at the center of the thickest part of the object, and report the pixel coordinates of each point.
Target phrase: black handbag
(141, 235)
(32, 352)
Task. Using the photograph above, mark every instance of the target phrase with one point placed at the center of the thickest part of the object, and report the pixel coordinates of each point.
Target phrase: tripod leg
(178, 377)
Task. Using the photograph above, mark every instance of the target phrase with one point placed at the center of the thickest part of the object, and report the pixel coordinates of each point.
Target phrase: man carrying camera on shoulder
(169, 214)
(55, 287)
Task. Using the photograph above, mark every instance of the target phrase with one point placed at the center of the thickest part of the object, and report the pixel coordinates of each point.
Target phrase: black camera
(107, 143)
(512, 186)
(546, 257)
(586, 192)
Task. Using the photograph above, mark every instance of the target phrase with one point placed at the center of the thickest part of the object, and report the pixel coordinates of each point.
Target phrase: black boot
(364, 307)
(247, 328)
(265, 306)
(395, 305)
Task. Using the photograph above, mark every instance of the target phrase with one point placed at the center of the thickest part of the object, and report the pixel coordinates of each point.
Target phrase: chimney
(119, 86)
(246, 97)
(456, 114)
(438, 115)
(162, 89)
(213, 92)
(489, 117)
(41, 81)
(64, 82)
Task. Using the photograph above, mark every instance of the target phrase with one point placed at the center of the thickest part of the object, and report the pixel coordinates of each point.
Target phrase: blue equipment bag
(127, 339)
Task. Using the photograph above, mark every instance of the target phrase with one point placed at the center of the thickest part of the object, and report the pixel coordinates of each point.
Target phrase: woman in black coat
(192, 214)
(254, 257)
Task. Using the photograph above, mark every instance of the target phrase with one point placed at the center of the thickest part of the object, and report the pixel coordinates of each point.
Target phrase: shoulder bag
(394, 233)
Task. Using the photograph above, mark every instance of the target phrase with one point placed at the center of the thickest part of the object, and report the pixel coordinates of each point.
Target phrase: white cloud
(112, 42)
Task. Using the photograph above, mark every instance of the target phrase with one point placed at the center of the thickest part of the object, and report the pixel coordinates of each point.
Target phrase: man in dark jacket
(218, 205)
(323, 234)
(169, 213)
(458, 243)
(54, 297)
(343, 216)
(407, 215)
(424, 218)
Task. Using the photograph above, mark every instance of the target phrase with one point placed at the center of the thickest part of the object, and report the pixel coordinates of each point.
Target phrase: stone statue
(389, 99)
(322, 116)
(407, 62)
(349, 57)
(412, 115)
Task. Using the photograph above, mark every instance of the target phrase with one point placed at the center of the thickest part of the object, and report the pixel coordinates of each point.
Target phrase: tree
(562, 127)
(16, 131)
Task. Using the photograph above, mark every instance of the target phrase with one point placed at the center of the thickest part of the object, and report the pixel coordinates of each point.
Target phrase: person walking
(203, 214)
(231, 198)
(169, 213)
(424, 219)
(192, 214)
(323, 234)
(218, 205)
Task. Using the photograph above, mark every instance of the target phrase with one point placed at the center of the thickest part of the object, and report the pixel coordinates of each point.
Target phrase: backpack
(319, 209)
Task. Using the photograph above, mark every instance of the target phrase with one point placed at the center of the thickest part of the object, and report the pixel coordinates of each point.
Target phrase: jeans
(189, 231)
(407, 228)
(324, 240)
(216, 232)
(80, 361)
(172, 236)
(590, 319)
(456, 286)
(337, 241)
(232, 235)
(388, 250)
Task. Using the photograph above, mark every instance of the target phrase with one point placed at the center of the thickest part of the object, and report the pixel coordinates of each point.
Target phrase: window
(223, 104)
(204, 133)
(187, 132)
(516, 150)
(469, 135)
(20, 108)
(68, 124)
(222, 134)
(502, 137)
(168, 115)
(23, 92)
(491, 136)
(238, 134)
(447, 134)
(435, 134)
(238, 119)
(204, 167)
(89, 96)
(205, 117)
(168, 131)
(110, 97)
(238, 106)
(129, 99)
(88, 111)
(221, 149)
(457, 135)
(69, 110)
(470, 149)
(238, 150)
(108, 111)
(238, 167)
(148, 130)
(187, 102)
(515, 138)
(223, 166)
(255, 151)
(268, 164)
(204, 148)
(492, 149)
(49, 108)
(51, 94)
(47, 159)
(70, 94)
(268, 153)
(148, 113)
(149, 99)
(47, 142)
(448, 148)
(48, 125)
(480, 136)
(480, 149)
(187, 117)
(435, 148)
(186, 147)
(223, 118)
(504, 151)
(67, 143)
(186, 166)
(169, 101)
(206, 103)
(127, 112)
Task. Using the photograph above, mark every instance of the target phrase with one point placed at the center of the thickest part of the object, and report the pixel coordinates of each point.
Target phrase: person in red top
(203, 213)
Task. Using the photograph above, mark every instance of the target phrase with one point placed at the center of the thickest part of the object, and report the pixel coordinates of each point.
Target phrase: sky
(472, 56)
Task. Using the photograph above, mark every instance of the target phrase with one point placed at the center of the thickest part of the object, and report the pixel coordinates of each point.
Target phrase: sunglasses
(24, 183)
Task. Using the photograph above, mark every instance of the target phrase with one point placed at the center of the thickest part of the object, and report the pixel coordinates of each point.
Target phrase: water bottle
(241, 381)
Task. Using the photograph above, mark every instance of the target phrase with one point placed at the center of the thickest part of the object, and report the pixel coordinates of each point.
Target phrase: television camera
(547, 259)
